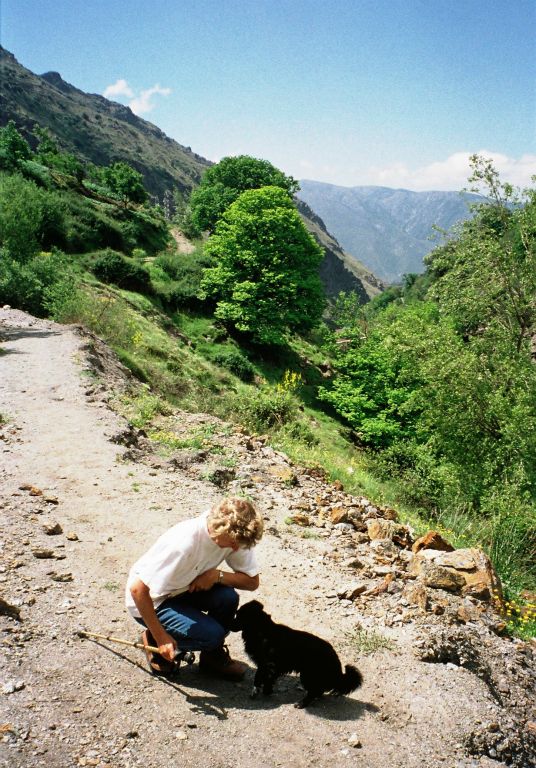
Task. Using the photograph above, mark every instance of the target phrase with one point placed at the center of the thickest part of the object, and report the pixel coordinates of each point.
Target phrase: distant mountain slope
(339, 270)
(388, 230)
(103, 131)
(95, 128)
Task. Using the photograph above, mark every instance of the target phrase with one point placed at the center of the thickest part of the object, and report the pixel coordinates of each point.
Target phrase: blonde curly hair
(239, 519)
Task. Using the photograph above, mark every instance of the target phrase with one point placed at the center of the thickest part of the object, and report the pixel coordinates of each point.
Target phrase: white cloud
(119, 88)
(142, 103)
(452, 173)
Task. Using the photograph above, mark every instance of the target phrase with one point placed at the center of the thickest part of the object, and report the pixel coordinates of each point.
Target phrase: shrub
(510, 535)
(424, 479)
(112, 267)
(177, 279)
(142, 228)
(234, 361)
(37, 172)
(301, 433)
(30, 218)
(266, 408)
(33, 284)
(91, 226)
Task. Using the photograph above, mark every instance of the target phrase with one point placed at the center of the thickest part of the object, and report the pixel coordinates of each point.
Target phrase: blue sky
(351, 92)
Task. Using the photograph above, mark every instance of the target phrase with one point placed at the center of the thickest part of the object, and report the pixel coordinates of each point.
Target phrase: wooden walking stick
(181, 655)
(152, 648)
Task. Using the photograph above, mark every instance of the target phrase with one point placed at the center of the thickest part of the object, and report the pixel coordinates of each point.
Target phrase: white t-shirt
(178, 556)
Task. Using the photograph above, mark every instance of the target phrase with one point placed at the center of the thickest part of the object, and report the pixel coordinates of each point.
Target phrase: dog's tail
(350, 680)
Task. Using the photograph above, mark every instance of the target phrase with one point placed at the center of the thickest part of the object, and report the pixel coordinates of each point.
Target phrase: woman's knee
(228, 598)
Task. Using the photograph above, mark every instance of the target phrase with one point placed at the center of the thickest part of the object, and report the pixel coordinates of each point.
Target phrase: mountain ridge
(388, 229)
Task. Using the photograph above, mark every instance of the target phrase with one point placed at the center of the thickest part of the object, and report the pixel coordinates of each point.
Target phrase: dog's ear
(257, 605)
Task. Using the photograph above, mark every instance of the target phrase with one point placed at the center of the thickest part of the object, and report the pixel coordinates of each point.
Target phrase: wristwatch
(220, 577)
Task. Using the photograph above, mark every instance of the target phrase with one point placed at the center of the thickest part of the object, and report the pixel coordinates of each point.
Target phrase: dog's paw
(254, 692)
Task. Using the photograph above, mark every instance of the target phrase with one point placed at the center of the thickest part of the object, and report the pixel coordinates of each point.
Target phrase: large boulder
(465, 571)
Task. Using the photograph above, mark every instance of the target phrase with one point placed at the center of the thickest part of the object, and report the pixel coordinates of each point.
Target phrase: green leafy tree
(49, 154)
(13, 147)
(265, 279)
(125, 182)
(30, 218)
(224, 182)
(378, 381)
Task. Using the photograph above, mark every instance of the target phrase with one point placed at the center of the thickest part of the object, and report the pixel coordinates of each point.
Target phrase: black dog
(277, 650)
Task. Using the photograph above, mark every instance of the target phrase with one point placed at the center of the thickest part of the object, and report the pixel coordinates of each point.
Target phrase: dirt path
(67, 702)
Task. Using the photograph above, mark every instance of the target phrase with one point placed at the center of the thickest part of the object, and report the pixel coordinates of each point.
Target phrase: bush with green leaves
(33, 284)
(124, 182)
(265, 278)
(444, 388)
(266, 408)
(91, 225)
(113, 267)
(31, 219)
(234, 361)
(177, 278)
(142, 228)
(14, 148)
(377, 383)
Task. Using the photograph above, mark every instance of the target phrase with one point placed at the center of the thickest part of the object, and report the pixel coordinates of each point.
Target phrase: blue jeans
(199, 621)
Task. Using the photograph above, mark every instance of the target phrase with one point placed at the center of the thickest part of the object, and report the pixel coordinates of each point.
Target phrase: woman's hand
(167, 646)
(205, 580)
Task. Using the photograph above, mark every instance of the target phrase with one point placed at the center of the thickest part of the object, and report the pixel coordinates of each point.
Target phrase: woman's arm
(238, 580)
(167, 646)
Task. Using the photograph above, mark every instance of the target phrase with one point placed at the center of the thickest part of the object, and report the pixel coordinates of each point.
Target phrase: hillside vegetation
(423, 399)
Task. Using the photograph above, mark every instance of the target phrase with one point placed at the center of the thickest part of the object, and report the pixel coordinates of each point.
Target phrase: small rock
(61, 577)
(284, 474)
(181, 735)
(43, 554)
(300, 519)
(52, 529)
(432, 540)
(351, 591)
(354, 741)
(8, 609)
(71, 536)
(304, 506)
(442, 578)
(338, 515)
(12, 686)
(344, 527)
(417, 594)
(378, 528)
